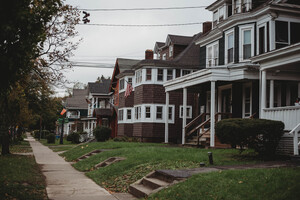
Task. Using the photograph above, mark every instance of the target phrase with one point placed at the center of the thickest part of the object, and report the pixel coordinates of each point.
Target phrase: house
(77, 109)
(250, 60)
(142, 113)
(100, 109)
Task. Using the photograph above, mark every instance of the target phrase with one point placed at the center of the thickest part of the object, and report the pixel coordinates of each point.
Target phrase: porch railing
(198, 124)
(296, 143)
(289, 115)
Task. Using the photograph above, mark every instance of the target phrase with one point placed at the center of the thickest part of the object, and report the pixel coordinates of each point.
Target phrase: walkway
(63, 181)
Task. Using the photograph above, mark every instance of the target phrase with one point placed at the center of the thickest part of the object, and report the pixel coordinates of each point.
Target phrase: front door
(226, 102)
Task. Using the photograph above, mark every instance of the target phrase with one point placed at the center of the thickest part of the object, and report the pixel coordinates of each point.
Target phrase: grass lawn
(20, 176)
(23, 147)
(264, 184)
(142, 158)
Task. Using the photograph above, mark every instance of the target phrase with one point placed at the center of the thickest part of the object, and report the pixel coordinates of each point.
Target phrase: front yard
(142, 158)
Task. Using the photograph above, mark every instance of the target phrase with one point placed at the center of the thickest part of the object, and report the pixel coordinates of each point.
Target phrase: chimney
(148, 54)
(206, 26)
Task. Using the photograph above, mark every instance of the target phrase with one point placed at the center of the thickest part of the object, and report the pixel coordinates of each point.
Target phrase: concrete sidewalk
(63, 181)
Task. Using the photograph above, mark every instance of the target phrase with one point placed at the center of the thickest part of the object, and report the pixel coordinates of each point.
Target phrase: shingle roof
(77, 100)
(99, 87)
(180, 40)
(126, 64)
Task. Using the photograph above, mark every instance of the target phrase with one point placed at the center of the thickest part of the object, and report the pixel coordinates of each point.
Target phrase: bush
(260, 134)
(36, 134)
(50, 138)
(102, 133)
(74, 137)
(45, 133)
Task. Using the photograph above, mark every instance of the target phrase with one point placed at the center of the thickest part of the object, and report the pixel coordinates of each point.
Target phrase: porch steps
(204, 141)
(87, 155)
(152, 183)
(109, 161)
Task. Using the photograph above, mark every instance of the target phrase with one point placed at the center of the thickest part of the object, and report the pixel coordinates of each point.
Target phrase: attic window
(170, 51)
(164, 57)
(121, 84)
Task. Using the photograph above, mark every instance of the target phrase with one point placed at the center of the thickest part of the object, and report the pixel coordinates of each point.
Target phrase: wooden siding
(237, 100)
(125, 130)
(126, 102)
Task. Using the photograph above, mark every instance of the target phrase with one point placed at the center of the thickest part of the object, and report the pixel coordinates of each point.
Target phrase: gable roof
(99, 87)
(77, 101)
(178, 39)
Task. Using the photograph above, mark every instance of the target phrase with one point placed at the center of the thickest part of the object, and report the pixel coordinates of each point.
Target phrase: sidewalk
(63, 181)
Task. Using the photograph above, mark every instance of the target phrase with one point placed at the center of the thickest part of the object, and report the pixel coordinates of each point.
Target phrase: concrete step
(139, 190)
(109, 161)
(154, 183)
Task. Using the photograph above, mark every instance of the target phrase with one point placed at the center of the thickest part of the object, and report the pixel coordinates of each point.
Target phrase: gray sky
(104, 44)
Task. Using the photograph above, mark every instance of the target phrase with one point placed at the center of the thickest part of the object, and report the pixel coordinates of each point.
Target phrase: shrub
(50, 138)
(102, 133)
(74, 137)
(45, 133)
(260, 134)
(36, 133)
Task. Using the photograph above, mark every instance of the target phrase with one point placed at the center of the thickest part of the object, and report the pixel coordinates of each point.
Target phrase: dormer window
(237, 6)
(215, 18)
(221, 13)
(170, 51)
(164, 57)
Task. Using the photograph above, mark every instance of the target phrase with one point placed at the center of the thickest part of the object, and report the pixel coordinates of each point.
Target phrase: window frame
(122, 84)
(181, 111)
(138, 76)
(214, 59)
(121, 115)
(148, 74)
(168, 75)
(170, 50)
(128, 114)
(160, 75)
(149, 117)
(159, 113)
(242, 29)
(227, 34)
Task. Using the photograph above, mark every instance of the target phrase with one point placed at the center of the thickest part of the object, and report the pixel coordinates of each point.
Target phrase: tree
(33, 40)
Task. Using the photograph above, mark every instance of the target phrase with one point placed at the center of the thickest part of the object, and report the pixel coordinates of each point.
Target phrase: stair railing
(296, 143)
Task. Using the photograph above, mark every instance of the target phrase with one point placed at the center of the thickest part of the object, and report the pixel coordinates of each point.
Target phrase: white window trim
(121, 90)
(227, 33)
(241, 38)
(151, 74)
(170, 51)
(120, 110)
(213, 56)
(137, 83)
(181, 114)
(132, 116)
(162, 76)
(244, 99)
(257, 37)
(164, 56)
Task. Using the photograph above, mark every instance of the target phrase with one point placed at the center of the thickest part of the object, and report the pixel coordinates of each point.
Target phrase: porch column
(167, 119)
(212, 112)
(271, 93)
(97, 106)
(298, 89)
(184, 114)
(295, 140)
(263, 91)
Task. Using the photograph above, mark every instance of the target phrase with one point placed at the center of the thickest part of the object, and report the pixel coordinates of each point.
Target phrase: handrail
(296, 127)
(189, 124)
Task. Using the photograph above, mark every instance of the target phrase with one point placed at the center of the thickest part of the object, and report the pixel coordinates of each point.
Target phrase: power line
(141, 9)
(143, 25)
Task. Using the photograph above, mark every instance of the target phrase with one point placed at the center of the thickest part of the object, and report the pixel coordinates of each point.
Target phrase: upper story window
(215, 18)
(170, 113)
(212, 54)
(221, 13)
(122, 84)
(148, 74)
(129, 81)
(185, 72)
(169, 74)
(246, 46)
(286, 33)
(237, 6)
(229, 46)
(120, 117)
(138, 76)
(170, 51)
(138, 112)
(160, 74)
(164, 57)
(158, 56)
(188, 112)
(128, 113)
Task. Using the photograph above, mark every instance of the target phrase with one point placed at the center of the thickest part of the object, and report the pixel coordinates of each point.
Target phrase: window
(237, 5)
(261, 40)
(169, 74)
(160, 74)
(148, 74)
(130, 81)
(247, 96)
(120, 115)
(164, 57)
(188, 112)
(102, 104)
(170, 113)
(212, 54)
(295, 32)
(281, 34)
(246, 46)
(138, 76)
(215, 18)
(148, 112)
(185, 72)
(230, 44)
(221, 13)
(170, 51)
(138, 112)
(159, 112)
(128, 113)
(158, 56)
(121, 84)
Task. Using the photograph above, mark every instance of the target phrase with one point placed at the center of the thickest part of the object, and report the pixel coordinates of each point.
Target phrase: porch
(223, 90)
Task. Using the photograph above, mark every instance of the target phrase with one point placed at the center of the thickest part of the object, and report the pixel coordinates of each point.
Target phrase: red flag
(63, 111)
(128, 90)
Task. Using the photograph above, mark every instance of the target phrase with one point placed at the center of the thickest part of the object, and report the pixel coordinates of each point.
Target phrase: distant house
(100, 109)
(142, 113)
(250, 68)
(77, 109)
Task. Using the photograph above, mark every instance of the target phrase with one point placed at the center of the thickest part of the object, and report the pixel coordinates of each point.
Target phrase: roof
(99, 87)
(188, 58)
(77, 101)
(179, 39)
(126, 64)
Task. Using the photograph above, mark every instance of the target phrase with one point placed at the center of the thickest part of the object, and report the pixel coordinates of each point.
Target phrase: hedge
(102, 133)
(260, 134)
(74, 137)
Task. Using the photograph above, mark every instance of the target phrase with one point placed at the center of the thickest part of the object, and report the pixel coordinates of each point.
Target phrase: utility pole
(62, 131)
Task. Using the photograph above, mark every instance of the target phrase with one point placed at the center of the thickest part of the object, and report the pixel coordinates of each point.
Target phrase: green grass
(142, 158)
(21, 178)
(57, 142)
(264, 184)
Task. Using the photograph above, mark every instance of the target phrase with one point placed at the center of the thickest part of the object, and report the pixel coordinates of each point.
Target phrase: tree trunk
(5, 140)
(4, 134)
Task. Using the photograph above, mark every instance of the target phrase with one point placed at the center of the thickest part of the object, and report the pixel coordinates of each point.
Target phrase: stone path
(63, 181)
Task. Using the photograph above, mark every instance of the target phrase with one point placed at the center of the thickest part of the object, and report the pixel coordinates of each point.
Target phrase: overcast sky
(102, 44)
